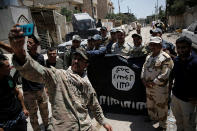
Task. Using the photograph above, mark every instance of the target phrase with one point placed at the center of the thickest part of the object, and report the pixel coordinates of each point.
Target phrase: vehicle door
(192, 32)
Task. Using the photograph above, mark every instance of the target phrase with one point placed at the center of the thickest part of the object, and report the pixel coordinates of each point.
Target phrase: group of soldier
(64, 80)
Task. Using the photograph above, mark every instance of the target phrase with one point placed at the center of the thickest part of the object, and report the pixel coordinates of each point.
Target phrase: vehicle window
(88, 25)
(81, 26)
(192, 27)
(84, 25)
(195, 29)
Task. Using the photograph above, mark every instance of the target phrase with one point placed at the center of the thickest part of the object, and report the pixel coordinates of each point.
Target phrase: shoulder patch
(11, 83)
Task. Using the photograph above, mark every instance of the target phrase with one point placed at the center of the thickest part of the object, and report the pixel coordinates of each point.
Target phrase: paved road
(121, 122)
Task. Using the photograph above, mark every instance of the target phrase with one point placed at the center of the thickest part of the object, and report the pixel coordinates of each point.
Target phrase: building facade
(88, 6)
(104, 7)
(68, 4)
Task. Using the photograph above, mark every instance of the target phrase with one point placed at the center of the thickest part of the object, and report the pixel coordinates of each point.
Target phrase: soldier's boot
(35, 125)
(162, 122)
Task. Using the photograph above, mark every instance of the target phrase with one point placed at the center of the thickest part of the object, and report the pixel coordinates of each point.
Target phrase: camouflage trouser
(33, 100)
(62, 128)
(157, 104)
(184, 113)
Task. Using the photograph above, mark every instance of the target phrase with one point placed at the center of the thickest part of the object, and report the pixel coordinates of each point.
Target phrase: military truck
(83, 25)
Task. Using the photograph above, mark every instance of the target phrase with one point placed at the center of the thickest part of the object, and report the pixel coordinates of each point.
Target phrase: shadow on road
(136, 122)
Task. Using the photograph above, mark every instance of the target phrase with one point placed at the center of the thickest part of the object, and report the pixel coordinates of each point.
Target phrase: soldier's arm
(33, 71)
(171, 80)
(142, 76)
(6, 47)
(59, 64)
(20, 98)
(100, 51)
(66, 60)
(96, 110)
(27, 67)
(164, 75)
(143, 70)
(94, 106)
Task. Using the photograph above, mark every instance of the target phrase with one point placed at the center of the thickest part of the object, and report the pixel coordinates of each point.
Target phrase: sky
(140, 8)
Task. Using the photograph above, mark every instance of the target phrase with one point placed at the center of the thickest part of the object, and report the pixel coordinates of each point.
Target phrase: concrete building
(90, 7)
(184, 20)
(110, 7)
(51, 26)
(104, 7)
(69, 4)
(11, 15)
(83, 6)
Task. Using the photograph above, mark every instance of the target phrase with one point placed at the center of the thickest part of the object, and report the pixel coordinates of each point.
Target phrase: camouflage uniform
(105, 40)
(71, 96)
(157, 70)
(121, 50)
(33, 100)
(141, 51)
(138, 28)
(67, 58)
(58, 64)
(34, 97)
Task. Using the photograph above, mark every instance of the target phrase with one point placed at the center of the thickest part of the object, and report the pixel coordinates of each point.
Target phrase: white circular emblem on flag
(123, 78)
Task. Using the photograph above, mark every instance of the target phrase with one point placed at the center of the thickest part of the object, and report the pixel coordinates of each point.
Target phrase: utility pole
(119, 5)
(166, 14)
(33, 3)
(157, 10)
(128, 8)
(92, 9)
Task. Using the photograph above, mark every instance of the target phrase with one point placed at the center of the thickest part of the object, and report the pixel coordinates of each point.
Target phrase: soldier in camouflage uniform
(112, 40)
(138, 49)
(105, 38)
(121, 47)
(67, 58)
(70, 92)
(155, 77)
(34, 93)
(138, 28)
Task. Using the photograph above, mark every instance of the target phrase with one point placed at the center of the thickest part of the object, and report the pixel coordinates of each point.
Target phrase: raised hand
(17, 41)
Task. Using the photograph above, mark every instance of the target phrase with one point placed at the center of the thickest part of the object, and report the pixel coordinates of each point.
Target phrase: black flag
(118, 84)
